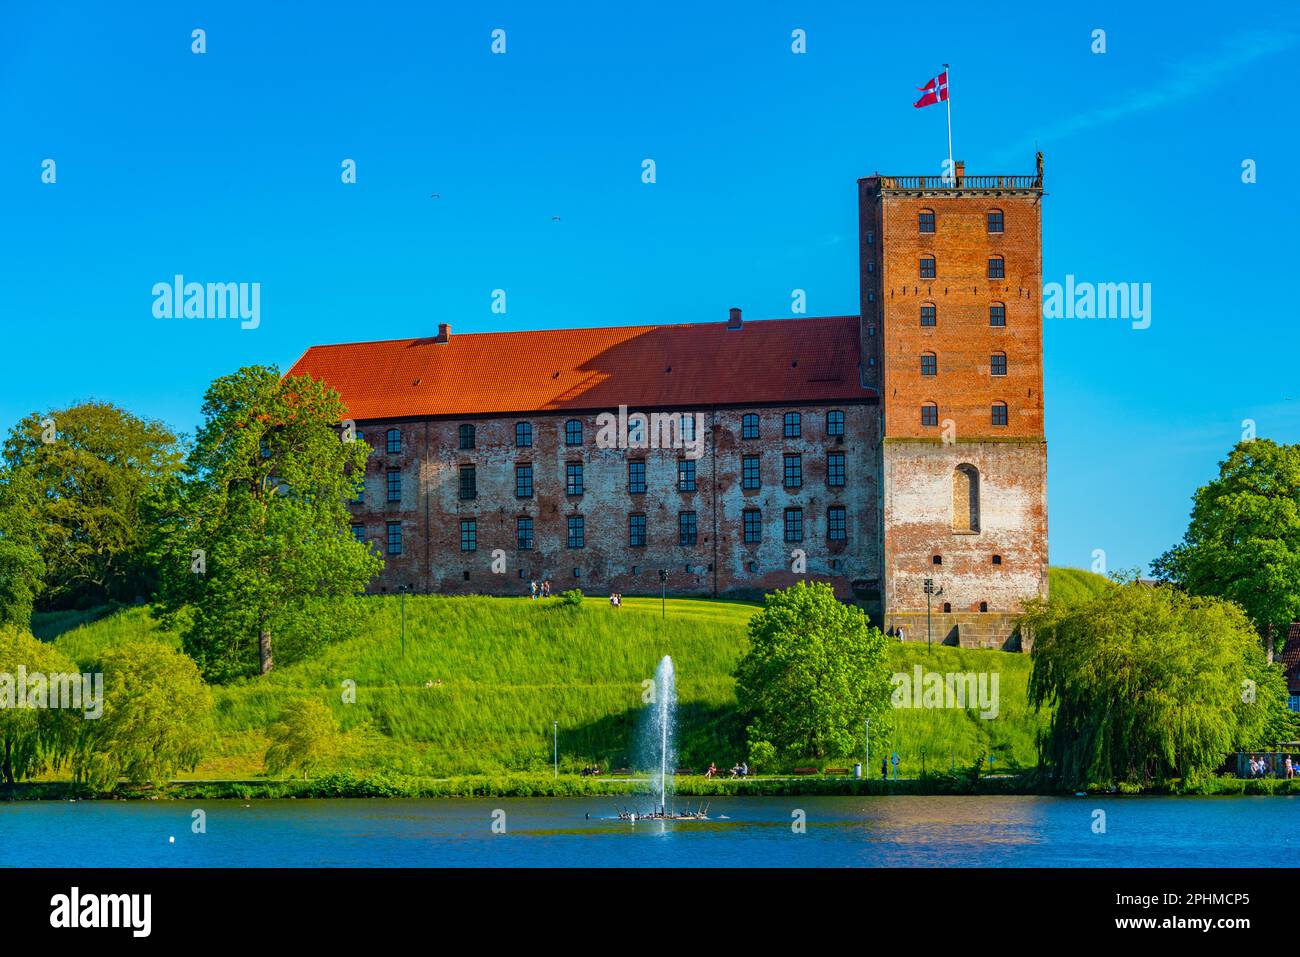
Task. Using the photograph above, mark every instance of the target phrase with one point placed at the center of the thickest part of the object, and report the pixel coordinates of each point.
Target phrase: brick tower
(951, 328)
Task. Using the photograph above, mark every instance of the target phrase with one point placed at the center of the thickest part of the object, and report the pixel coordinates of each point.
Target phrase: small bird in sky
(433, 195)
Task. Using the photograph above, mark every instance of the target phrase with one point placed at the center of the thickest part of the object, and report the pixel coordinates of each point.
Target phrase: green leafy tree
(82, 480)
(22, 570)
(1147, 684)
(814, 671)
(1243, 541)
(34, 738)
(305, 736)
(156, 718)
(259, 540)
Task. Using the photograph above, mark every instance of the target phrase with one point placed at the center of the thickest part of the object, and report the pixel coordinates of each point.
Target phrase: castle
(898, 454)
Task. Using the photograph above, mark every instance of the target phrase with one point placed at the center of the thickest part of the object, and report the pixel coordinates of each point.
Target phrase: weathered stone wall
(720, 561)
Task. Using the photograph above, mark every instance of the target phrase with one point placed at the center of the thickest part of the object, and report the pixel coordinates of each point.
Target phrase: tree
(814, 671)
(259, 541)
(1148, 684)
(22, 570)
(156, 718)
(84, 478)
(1243, 541)
(305, 736)
(35, 736)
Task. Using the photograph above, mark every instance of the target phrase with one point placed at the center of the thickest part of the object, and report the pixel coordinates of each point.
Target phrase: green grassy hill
(502, 669)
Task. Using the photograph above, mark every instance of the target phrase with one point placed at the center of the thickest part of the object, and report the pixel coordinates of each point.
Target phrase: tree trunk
(264, 650)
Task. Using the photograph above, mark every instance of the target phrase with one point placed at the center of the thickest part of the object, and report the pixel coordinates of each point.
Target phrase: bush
(571, 597)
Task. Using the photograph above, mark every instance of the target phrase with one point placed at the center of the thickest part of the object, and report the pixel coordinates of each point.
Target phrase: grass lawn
(502, 669)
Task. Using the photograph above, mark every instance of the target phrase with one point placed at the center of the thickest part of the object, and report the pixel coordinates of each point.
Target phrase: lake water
(757, 832)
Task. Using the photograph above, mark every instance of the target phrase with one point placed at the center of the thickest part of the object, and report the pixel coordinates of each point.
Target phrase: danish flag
(934, 91)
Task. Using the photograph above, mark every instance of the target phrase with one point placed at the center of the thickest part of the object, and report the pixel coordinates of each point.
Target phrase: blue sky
(225, 166)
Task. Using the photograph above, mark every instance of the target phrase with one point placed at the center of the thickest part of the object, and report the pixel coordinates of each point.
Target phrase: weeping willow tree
(1149, 684)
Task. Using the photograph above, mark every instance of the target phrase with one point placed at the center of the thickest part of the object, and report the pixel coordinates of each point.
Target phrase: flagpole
(952, 170)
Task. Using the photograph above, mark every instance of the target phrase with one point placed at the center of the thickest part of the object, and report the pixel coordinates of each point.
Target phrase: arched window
(999, 413)
(997, 267)
(925, 221)
(929, 363)
(965, 499)
(998, 363)
(995, 221)
(997, 314)
(929, 316)
(929, 414)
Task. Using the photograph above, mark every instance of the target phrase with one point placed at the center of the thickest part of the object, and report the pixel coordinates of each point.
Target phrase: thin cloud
(1186, 81)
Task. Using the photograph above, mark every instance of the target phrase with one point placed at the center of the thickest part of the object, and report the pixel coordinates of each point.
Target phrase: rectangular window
(997, 268)
(1000, 414)
(524, 480)
(927, 267)
(834, 423)
(577, 532)
(925, 221)
(750, 475)
(998, 363)
(359, 534)
(928, 315)
(686, 475)
(794, 525)
(466, 434)
(573, 432)
(688, 427)
(573, 478)
(394, 441)
(524, 534)
(929, 363)
(836, 523)
(997, 314)
(361, 492)
(468, 482)
(995, 220)
(523, 435)
(636, 477)
(636, 531)
(469, 535)
(835, 469)
(749, 426)
(686, 528)
(394, 485)
(793, 470)
(929, 415)
(394, 536)
(753, 522)
(792, 425)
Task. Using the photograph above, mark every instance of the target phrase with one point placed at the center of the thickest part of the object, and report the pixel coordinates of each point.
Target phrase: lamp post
(404, 589)
(555, 730)
(930, 592)
(663, 593)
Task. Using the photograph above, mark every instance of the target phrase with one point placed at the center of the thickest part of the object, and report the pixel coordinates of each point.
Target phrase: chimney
(959, 171)
(733, 318)
(444, 333)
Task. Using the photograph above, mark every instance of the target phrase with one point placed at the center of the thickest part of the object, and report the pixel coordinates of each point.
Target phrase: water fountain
(656, 751)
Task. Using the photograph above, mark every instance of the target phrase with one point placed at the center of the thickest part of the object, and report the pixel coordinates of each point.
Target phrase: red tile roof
(775, 360)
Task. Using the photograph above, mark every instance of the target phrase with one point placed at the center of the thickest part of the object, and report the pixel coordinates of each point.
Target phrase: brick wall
(720, 562)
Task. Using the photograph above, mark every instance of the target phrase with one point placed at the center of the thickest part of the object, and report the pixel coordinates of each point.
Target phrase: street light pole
(663, 593)
(404, 590)
(555, 730)
(930, 592)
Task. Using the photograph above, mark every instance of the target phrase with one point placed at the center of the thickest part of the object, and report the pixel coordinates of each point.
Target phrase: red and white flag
(935, 91)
